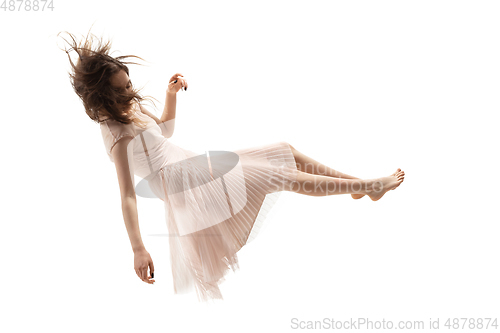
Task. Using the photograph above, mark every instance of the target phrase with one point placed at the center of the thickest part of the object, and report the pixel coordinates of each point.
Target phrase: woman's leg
(307, 164)
(317, 185)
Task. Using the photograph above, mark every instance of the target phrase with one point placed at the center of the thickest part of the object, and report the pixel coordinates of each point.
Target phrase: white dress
(214, 204)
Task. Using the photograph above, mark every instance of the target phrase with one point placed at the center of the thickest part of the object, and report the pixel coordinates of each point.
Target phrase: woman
(212, 203)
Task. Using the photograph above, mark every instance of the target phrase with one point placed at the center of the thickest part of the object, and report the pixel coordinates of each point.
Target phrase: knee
(289, 145)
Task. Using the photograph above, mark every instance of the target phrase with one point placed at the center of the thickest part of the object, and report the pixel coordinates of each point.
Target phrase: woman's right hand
(142, 260)
(176, 83)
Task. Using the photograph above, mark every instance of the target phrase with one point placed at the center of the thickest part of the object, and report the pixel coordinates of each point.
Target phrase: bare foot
(387, 183)
(359, 196)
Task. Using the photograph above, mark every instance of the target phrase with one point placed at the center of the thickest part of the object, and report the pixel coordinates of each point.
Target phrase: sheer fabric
(214, 202)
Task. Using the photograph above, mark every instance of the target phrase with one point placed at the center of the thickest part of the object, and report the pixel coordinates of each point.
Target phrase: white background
(364, 87)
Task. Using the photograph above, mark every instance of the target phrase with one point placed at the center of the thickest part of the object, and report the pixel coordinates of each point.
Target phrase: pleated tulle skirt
(216, 205)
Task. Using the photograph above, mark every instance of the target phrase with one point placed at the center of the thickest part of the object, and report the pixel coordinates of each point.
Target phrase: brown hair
(90, 79)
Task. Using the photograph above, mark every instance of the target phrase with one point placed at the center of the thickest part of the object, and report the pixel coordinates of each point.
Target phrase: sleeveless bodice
(149, 150)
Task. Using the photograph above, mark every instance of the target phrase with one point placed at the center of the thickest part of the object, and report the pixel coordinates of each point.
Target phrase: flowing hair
(90, 79)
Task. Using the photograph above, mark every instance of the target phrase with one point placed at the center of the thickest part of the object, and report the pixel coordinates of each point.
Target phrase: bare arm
(170, 104)
(122, 156)
(167, 119)
(167, 127)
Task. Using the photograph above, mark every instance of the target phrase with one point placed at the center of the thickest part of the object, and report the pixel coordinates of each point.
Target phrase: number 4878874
(27, 5)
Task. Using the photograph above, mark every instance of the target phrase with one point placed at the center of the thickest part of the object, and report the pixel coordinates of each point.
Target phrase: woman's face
(121, 81)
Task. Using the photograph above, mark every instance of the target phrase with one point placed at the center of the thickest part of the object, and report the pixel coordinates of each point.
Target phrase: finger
(152, 268)
(176, 76)
(147, 279)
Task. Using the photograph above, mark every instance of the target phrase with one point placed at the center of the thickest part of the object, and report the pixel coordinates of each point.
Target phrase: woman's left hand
(176, 83)
(143, 261)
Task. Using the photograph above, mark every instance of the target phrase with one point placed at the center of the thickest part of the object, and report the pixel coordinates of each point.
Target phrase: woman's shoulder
(117, 129)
